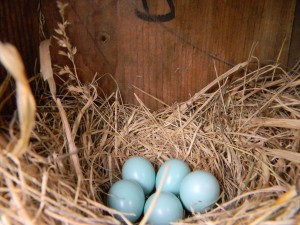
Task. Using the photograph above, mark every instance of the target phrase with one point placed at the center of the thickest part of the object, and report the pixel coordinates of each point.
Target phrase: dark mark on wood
(156, 18)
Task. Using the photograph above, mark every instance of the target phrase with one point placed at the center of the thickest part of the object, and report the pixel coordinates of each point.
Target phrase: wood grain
(294, 51)
(173, 60)
(19, 26)
(169, 60)
(93, 32)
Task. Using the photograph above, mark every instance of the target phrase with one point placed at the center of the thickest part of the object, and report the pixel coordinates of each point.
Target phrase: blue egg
(167, 209)
(127, 197)
(140, 170)
(178, 169)
(199, 190)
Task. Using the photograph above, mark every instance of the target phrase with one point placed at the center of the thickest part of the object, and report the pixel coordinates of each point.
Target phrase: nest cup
(243, 127)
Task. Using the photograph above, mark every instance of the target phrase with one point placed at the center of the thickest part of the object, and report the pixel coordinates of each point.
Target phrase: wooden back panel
(169, 48)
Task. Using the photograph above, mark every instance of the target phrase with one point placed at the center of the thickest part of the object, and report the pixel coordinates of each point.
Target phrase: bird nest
(64, 150)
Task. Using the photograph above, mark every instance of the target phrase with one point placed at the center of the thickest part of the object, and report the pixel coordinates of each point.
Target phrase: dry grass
(246, 133)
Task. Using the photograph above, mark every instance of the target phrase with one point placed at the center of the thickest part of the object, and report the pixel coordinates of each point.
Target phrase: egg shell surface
(128, 197)
(177, 170)
(167, 209)
(199, 190)
(140, 170)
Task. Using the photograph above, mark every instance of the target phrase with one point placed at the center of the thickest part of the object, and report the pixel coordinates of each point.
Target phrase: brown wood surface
(170, 60)
(173, 60)
(294, 51)
(19, 26)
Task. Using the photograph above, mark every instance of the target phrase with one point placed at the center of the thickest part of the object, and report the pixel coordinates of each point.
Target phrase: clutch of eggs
(195, 191)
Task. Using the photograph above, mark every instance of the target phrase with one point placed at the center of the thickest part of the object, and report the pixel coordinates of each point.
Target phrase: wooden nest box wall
(168, 49)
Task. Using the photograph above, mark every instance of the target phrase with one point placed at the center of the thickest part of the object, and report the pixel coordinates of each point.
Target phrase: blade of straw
(46, 65)
(156, 196)
(11, 60)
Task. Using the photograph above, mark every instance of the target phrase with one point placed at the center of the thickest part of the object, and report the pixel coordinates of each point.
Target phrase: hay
(246, 132)
(12, 61)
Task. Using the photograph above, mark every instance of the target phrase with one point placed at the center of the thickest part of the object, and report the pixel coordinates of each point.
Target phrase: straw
(11, 60)
(243, 127)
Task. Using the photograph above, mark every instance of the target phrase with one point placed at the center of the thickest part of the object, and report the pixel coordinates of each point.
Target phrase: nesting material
(243, 127)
